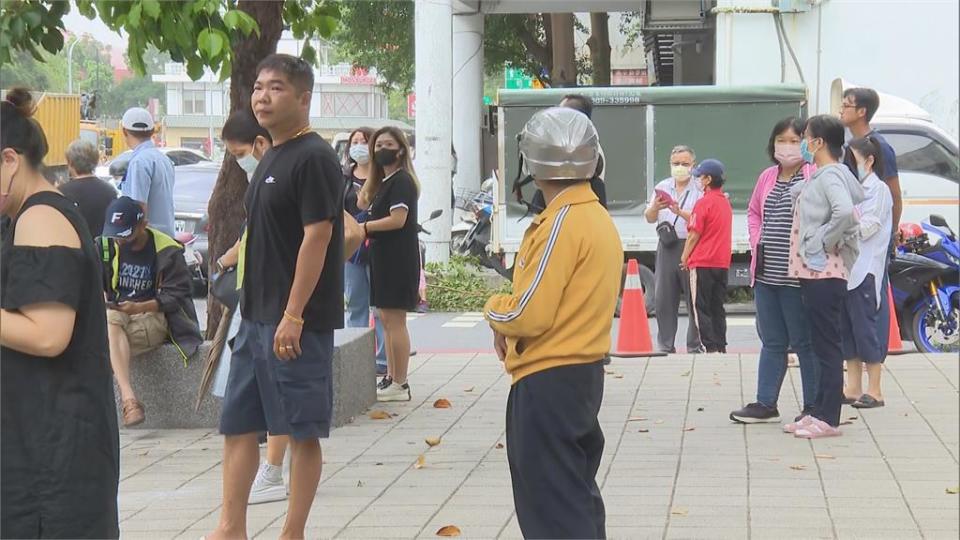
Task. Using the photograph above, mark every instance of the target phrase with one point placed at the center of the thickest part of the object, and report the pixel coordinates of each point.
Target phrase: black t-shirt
(352, 185)
(92, 196)
(297, 183)
(137, 272)
(397, 249)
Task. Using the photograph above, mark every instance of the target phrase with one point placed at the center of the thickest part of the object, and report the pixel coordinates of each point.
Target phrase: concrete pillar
(468, 106)
(433, 33)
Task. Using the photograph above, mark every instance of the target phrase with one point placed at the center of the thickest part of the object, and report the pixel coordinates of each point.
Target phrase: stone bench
(168, 389)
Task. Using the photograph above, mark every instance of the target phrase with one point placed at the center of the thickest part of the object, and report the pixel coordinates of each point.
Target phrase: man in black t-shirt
(291, 270)
(91, 194)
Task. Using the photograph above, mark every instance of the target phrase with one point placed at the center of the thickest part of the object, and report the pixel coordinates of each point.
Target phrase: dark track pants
(708, 286)
(554, 446)
(823, 300)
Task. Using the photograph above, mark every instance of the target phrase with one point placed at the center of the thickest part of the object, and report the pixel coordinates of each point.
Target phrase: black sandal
(867, 401)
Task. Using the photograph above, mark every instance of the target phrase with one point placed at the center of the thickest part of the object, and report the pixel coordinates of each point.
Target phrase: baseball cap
(123, 216)
(137, 119)
(709, 167)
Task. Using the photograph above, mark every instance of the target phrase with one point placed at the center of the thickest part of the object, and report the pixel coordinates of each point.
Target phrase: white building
(343, 99)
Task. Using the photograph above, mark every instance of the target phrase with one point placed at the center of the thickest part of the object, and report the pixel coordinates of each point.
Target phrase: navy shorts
(859, 324)
(280, 397)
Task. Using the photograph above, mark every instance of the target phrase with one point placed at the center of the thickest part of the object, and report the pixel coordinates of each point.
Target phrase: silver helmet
(559, 144)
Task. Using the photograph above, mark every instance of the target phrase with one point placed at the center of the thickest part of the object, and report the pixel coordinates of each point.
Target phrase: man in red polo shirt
(707, 255)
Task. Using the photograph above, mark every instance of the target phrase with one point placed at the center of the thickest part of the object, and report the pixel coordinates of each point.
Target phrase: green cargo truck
(638, 127)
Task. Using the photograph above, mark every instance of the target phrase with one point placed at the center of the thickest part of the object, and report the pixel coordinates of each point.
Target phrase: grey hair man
(669, 208)
(91, 194)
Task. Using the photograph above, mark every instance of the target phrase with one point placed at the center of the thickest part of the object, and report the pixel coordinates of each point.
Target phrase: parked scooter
(926, 287)
(194, 263)
(420, 230)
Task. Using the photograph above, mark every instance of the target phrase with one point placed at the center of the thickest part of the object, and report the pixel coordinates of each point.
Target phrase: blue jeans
(356, 287)
(782, 323)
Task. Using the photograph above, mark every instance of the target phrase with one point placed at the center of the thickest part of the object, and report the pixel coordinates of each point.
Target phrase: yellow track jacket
(566, 281)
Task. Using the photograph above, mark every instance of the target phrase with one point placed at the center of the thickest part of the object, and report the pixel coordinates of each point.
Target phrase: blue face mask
(805, 152)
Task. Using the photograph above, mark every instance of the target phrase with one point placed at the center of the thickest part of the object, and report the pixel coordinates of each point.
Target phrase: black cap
(123, 216)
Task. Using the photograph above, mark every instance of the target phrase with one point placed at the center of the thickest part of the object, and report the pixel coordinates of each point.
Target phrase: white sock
(273, 473)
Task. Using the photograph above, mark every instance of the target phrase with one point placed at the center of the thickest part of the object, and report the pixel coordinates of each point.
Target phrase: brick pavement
(674, 465)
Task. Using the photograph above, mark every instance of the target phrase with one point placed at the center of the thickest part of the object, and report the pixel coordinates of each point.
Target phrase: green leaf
(195, 68)
(210, 42)
(32, 18)
(248, 23)
(133, 16)
(52, 41)
(232, 20)
(309, 54)
(152, 8)
(226, 68)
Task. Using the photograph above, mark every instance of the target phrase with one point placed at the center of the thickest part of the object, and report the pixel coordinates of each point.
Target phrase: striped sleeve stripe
(525, 299)
(399, 205)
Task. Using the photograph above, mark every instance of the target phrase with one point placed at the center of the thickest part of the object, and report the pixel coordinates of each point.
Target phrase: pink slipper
(794, 426)
(817, 429)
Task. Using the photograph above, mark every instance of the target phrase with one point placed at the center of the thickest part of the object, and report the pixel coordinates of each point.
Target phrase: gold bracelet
(291, 318)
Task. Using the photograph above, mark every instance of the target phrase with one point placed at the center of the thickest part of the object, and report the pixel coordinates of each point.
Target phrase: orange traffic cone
(633, 340)
(894, 343)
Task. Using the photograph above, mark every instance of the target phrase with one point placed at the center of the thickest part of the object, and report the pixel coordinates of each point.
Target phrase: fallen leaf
(499, 446)
(618, 376)
(846, 423)
(378, 463)
(677, 511)
(824, 456)
(359, 483)
(643, 430)
(432, 441)
(449, 530)
(953, 490)
(716, 383)
(379, 415)
(685, 374)
(421, 462)
(658, 421)
(441, 403)
(699, 409)
(853, 418)
(689, 429)
(608, 372)
(798, 467)
(636, 419)
(468, 389)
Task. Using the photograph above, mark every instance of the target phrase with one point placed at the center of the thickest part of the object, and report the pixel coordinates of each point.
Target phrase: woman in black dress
(390, 196)
(60, 447)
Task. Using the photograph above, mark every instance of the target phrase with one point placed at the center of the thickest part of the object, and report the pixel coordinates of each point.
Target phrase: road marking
(464, 320)
(741, 321)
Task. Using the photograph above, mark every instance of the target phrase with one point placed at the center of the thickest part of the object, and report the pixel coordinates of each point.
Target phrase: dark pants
(554, 446)
(823, 300)
(708, 286)
(781, 322)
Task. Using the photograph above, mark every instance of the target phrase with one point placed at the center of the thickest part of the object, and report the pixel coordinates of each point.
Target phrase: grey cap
(560, 144)
(137, 119)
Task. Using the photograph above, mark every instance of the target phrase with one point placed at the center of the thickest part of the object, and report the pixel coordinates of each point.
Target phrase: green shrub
(458, 286)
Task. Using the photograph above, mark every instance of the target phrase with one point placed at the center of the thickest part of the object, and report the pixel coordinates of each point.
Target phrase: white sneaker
(394, 392)
(268, 485)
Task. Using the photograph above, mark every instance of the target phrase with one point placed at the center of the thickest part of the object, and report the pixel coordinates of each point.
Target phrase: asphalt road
(468, 333)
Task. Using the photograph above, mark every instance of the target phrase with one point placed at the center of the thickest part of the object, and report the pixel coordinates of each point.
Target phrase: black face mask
(385, 157)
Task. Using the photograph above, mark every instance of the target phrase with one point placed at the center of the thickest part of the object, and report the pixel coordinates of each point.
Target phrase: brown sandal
(133, 413)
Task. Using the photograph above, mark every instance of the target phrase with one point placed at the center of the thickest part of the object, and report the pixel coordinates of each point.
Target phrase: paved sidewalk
(674, 465)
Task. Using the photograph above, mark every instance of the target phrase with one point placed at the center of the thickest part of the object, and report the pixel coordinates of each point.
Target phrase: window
(194, 102)
(919, 153)
(196, 143)
(185, 158)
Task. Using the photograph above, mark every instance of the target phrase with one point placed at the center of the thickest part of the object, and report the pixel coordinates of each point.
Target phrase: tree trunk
(225, 210)
(564, 58)
(599, 44)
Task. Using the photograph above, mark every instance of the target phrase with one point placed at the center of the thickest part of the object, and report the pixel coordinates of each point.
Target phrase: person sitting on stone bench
(147, 288)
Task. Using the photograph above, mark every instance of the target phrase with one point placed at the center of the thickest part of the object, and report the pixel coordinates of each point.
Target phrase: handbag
(668, 231)
(224, 288)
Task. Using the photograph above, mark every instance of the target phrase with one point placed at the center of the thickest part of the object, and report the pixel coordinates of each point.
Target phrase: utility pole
(70, 64)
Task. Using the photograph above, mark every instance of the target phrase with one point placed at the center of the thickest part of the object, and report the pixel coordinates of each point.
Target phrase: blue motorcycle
(926, 287)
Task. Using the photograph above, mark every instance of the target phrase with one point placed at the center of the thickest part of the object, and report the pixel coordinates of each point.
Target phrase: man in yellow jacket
(554, 330)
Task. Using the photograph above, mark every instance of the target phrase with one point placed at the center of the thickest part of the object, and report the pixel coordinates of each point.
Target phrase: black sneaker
(384, 383)
(755, 413)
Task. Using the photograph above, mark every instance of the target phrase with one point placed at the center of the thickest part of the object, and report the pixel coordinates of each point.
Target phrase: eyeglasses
(848, 106)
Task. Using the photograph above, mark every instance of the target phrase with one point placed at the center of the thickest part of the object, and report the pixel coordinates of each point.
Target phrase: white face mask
(249, 164)
(360, 153)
